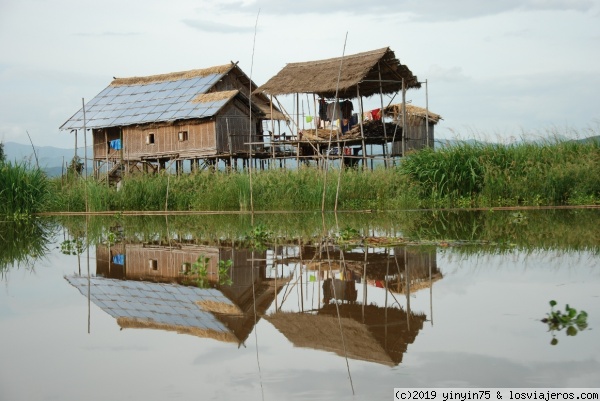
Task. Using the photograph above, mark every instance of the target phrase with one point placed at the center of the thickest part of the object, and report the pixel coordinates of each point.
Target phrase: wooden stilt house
(200, 116)
(343, 82)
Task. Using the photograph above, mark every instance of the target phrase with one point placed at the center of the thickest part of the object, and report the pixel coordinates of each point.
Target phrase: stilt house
(337, 87)
(203, 115)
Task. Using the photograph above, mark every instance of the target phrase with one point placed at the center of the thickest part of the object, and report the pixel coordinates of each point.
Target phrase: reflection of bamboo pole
(430, 291)
(88, 275)
(407, 273)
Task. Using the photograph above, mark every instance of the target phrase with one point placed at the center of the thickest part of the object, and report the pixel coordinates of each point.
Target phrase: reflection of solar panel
(147, 103)
(164, 304)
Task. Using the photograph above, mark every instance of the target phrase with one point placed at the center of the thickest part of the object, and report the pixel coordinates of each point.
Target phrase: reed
(541, 173)
(24, 190)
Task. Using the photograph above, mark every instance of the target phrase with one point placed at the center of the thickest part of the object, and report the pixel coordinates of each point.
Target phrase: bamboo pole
(362, 131)
(403, 118)
(84, 139)
(427, 111)
(337, 131)
(250, 115)
(382, 114)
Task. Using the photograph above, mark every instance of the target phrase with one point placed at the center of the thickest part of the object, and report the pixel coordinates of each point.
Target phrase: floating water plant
(570, 320)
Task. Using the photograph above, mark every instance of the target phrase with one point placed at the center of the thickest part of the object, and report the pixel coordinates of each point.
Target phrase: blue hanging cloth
(115, 144)
(119, 259)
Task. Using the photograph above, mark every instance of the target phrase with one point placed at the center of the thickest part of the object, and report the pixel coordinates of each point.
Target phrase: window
(183, 136)
(186, 267)
(150, 138)
(153, 264)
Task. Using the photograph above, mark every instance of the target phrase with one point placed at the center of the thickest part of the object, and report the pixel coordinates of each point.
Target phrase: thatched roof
(379, 336)
(215, 96)
(172, 76)
(395, 111)
(362, 69)
(136, 323)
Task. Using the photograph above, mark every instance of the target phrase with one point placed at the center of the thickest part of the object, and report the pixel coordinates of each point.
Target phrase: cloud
(441, 74)
(217, 27)
(107, 33)
(436, 10)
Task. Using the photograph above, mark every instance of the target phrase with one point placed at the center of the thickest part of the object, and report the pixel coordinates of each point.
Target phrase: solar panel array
(169, 304)
(148, 103)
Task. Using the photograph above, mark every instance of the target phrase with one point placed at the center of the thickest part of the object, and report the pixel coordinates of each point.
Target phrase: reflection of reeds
(572, 229)
(23, 242)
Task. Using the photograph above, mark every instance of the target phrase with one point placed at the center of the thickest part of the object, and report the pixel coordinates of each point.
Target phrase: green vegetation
(197, 272)
(23, 243)
(570, 320)
(24, 190)
(487, 231)
(462, 176)
(532, 174)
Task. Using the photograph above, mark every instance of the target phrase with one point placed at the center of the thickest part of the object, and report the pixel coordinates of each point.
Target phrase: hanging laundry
(376, 114)
(334, 111)
(115, 144)
(323, 110)
(347, 109)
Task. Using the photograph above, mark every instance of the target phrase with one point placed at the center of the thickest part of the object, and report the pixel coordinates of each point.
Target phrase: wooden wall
(416, 139)
(234, 120)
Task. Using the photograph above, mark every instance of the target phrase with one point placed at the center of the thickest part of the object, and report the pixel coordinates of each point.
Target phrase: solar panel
(169, 100)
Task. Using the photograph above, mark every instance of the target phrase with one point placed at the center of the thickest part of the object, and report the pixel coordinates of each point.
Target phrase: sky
(496, 70)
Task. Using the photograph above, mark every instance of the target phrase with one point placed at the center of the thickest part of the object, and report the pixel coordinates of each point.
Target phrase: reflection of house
(401, 269)
(370, 333)
(131, 274)
(159, 306)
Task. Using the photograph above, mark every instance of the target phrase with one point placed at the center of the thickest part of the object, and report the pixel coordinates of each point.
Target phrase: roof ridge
(172, 76)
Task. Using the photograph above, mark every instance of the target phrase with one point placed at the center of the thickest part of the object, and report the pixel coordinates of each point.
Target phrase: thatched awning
(362, 70)
(412, 112)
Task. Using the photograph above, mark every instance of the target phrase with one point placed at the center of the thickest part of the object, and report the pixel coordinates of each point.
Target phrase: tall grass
(272, 190)
(466, 175)
(546, 173)
(24, 190)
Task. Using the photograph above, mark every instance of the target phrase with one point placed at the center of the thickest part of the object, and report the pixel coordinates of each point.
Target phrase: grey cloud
(210, 26)
(421, 10)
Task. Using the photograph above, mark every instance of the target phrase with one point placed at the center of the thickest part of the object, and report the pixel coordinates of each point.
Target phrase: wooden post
(427, 112)
(385, 141)
(362, 131)
(84, 139)
(403, 119)
(107, 150)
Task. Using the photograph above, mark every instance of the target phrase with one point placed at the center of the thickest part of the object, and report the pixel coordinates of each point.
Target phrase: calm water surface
(310, 319)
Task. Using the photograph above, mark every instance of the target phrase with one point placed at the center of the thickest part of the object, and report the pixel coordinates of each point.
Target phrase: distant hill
(50, 159)
(589, 139)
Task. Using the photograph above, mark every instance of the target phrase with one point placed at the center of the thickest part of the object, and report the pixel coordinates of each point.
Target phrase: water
(461, 309)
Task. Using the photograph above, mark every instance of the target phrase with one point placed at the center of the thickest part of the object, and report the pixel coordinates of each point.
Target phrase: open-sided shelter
(376, 72)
